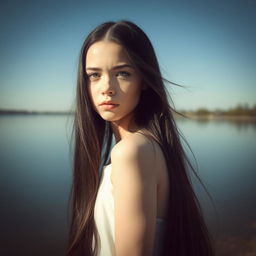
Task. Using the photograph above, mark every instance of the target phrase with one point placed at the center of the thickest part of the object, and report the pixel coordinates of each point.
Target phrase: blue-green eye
(123, 74)
(93, 75)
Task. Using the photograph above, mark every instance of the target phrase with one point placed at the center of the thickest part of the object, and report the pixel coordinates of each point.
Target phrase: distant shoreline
(33, 112)
(238, 113)
(195, 115)
(214, 117)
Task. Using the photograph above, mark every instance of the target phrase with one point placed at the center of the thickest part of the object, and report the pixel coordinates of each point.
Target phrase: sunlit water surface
(35, 181)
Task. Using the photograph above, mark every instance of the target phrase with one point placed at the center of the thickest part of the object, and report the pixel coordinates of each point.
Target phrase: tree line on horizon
(239, 110)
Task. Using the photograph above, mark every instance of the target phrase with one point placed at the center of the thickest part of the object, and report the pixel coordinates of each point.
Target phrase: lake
(35, 181)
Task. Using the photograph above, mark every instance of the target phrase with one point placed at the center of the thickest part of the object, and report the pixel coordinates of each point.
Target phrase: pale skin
(139, 172)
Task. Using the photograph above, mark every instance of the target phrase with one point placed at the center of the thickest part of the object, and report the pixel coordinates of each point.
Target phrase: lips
(109, 106)
(108, 103)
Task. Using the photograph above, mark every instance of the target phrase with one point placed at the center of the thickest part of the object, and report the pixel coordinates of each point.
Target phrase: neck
(122, 129)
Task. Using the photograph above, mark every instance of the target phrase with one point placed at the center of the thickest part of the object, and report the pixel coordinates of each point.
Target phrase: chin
(109, 117)
(113, 117)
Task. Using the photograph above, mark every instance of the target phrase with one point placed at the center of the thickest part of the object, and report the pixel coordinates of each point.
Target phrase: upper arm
(135, 198)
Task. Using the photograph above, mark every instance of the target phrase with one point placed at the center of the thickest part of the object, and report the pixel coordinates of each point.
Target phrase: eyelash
(124, 74)
(92, 74)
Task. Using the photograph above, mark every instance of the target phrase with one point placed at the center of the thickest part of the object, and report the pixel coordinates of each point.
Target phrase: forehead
(106, 53)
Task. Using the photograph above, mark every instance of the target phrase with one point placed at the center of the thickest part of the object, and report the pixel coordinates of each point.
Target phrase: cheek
(133, 98)
(92, 95)
(93, 92)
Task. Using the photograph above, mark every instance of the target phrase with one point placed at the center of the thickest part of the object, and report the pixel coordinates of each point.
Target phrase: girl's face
(111, 78)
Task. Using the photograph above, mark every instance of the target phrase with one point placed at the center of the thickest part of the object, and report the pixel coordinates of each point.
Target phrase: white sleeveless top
(104, 217)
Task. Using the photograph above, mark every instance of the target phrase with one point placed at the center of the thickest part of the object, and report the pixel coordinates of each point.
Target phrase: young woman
(133, 198)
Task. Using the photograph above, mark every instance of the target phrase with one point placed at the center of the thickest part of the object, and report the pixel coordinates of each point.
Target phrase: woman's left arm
(135, 197)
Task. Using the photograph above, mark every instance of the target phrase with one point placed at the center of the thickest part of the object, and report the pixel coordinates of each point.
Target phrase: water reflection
(36, 174)
(35, 182)
(234, 122)
(226, 155)
(236, 245)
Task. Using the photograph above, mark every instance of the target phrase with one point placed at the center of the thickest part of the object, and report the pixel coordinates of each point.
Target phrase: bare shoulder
(134, 176)
(141, 152)
(135, 147)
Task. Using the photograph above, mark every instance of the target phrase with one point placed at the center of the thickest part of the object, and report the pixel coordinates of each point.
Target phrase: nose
(108, 86)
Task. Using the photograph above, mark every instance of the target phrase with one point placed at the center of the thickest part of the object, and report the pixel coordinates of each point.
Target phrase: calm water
(35, 181)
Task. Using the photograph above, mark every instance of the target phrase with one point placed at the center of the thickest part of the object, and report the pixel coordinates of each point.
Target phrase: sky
(207, 46)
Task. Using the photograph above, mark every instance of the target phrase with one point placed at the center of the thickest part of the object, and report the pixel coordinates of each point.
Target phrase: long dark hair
(186, 231)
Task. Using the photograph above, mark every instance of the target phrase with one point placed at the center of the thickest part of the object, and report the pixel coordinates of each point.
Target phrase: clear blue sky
(209, 46)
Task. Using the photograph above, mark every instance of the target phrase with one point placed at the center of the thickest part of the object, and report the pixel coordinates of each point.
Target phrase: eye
(93, 76)
(123, 74)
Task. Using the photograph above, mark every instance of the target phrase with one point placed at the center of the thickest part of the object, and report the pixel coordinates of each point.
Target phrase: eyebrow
(114, 68)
